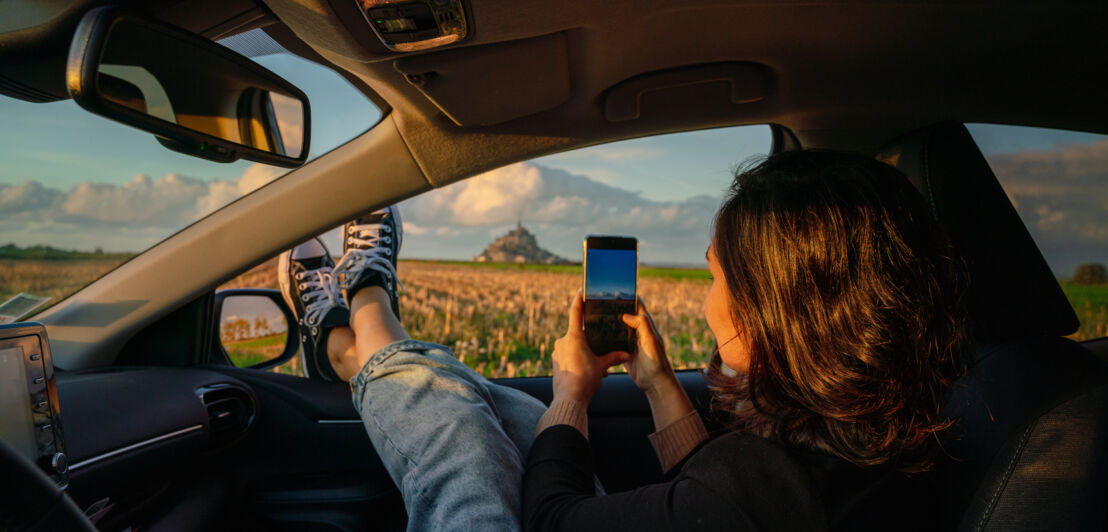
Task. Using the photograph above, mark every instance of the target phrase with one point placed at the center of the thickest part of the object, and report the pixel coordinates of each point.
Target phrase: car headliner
(878, 67)
(848, 75)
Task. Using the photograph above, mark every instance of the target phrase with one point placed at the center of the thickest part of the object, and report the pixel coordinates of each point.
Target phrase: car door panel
(308, 461)
(138, 438)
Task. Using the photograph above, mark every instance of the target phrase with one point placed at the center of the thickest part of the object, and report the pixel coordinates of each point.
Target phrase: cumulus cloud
(560, 208)
(129, 216)
(1062, 197)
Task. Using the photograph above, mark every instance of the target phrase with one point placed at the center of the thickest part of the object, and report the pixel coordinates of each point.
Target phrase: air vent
(231, 412)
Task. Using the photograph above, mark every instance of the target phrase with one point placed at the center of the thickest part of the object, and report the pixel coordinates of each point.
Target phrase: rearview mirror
(196, 96)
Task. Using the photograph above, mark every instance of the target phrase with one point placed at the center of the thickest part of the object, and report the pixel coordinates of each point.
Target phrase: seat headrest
(1012, 292)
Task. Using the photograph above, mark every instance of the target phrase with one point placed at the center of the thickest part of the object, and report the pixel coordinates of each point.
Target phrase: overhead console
(414, 25)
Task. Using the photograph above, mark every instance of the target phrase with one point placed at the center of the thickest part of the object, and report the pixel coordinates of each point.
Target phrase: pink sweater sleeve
(674, 441)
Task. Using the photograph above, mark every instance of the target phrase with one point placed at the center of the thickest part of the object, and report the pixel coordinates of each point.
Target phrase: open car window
(81, 194)
(1058, 182)
(490, 263)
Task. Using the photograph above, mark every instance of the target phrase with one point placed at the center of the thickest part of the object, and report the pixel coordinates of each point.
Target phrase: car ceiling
(534, 77)
(880, 68)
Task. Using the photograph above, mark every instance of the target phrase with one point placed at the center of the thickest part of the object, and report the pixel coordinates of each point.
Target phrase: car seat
(1029, 448)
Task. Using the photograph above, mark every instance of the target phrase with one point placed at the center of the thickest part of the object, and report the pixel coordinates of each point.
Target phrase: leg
(372, 326)
(519, 412)
(453, 442)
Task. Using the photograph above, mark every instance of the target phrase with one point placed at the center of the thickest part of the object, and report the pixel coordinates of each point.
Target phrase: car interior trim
(133, 447)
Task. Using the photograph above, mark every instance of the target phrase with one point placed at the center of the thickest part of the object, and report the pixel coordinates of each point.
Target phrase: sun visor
(687, 86)
(485, 85)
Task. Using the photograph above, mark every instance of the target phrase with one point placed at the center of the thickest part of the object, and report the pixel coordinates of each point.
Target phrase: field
(54, 278)
(501, 319)
(1090, 302)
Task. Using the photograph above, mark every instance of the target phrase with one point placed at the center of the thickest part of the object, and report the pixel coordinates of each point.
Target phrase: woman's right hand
(649, 367)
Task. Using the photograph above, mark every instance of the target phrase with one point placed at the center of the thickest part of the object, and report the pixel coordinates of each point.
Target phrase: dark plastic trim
(782, 139)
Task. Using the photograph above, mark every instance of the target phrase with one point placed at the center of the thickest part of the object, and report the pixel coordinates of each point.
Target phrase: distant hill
(40, 252)
(613, 296)
(518, 246)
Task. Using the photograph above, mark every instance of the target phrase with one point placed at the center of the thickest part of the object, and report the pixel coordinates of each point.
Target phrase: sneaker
(305, 276)
(370, 245)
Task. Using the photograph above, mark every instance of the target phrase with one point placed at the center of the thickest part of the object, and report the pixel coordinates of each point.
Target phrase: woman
(838, 328)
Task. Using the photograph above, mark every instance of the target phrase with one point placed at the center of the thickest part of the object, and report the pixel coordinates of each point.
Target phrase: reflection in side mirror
(196, 96)
(254, 328)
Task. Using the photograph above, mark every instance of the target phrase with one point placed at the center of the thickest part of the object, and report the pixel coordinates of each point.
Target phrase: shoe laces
(369, 247)
(319, 294)
(370, 235)
(356, 261)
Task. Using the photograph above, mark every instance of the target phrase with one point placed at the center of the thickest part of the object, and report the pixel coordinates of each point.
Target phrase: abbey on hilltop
(518, 246)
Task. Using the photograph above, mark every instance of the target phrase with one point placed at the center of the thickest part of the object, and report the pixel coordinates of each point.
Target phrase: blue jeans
(453, 442)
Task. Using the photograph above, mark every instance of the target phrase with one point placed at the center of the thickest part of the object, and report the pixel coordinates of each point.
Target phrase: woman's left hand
(577, 371)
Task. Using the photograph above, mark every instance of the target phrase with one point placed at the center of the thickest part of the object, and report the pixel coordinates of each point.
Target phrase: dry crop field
(54, 278)
(502, 320)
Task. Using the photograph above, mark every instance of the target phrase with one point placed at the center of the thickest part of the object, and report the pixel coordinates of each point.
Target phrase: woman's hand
(652, 372)
(650, 367)
(577, 371)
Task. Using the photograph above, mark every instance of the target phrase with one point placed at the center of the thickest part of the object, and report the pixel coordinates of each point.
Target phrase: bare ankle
(370, 295)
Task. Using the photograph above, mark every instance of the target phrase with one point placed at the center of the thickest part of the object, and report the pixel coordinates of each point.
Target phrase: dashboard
(116, 438)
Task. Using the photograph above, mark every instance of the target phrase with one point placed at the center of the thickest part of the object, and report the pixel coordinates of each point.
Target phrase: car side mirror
(255, 327)
(195, 96)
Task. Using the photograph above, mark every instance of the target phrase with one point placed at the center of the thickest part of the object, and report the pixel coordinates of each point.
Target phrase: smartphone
(611, 272)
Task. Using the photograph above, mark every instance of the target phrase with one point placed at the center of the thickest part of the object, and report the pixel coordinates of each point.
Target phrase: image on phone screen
(610, 275)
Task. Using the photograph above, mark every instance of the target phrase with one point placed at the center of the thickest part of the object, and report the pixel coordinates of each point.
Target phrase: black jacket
(735, 482)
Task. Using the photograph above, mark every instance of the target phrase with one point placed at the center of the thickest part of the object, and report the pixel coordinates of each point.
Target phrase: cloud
(129, 216)
(1062, 197)
(28, 196)
(561, 208)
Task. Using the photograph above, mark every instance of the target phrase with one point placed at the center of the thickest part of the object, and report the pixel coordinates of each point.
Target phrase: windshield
(81, 194)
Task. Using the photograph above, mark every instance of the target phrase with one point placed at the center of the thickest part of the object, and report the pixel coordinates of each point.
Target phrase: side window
(491, 262)
(1058, 182)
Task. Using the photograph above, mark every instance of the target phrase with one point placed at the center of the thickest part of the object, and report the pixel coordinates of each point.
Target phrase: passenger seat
(1029, 449)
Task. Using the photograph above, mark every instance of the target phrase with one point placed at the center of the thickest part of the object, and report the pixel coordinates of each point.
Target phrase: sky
(74, 180)
(661, 190)
(1058, 183)
(610, 274)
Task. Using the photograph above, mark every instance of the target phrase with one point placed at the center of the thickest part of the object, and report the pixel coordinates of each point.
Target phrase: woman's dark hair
(843, 284)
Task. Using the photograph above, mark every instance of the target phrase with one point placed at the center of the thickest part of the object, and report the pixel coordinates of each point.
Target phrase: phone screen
(610, 276)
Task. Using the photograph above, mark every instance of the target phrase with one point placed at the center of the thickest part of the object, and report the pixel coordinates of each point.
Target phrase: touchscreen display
(16, 424)
(610, 274)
